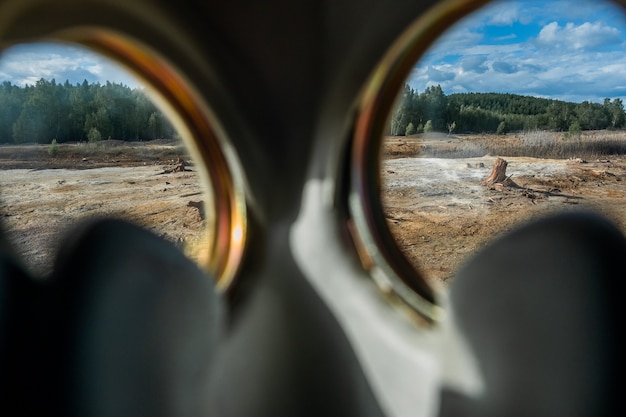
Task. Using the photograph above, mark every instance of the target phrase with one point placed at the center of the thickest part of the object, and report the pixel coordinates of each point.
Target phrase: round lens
(81, 137)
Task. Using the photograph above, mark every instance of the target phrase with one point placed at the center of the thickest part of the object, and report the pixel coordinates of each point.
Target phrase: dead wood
(498, 175)
(199, 205)
(498, 172)
(180, 166)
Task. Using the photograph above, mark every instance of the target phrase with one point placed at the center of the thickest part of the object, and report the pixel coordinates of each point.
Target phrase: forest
(433, 110)
(80, 112)
(65, 112)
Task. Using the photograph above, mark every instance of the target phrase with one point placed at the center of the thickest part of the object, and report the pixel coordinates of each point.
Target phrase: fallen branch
(180, 166)
(199, 205)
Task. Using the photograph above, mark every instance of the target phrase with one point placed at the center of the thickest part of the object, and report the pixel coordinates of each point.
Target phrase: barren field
(42, 195)
(440, 212)
(435, 202)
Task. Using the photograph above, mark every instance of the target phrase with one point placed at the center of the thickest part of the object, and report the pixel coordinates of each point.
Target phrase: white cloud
(504, 67)
(440, 74)
(504, 15)
(573, 75)
(454, 42)
(565, 52)
(474, 63)
(28, 63)
(585, 36)
(506, 37)
(495, 49)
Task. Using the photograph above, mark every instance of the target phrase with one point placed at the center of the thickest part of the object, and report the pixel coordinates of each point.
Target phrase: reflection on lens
(517, 111)
(91, 145)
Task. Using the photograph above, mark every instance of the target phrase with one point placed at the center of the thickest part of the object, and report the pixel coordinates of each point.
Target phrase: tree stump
(498, 174)
(180, 166)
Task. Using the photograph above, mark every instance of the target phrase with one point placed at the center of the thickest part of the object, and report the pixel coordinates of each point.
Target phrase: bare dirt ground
(42, 195)
(440, 213)
(436, 207)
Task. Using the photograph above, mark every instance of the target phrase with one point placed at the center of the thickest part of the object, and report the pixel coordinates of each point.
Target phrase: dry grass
(86, 155)
(537, 144)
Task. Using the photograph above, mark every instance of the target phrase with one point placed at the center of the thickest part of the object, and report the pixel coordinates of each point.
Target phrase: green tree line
(498, 113)
(82, 112)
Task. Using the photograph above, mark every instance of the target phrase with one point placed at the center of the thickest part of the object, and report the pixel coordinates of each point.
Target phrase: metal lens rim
(379, 252)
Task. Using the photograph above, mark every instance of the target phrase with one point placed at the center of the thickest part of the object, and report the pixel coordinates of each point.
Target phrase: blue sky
(27, 63)
(572, 50)
(569, 50)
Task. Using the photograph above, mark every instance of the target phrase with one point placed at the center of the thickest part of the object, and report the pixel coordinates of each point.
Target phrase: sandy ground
(437, 209)
(441, 214)
(38, 205)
